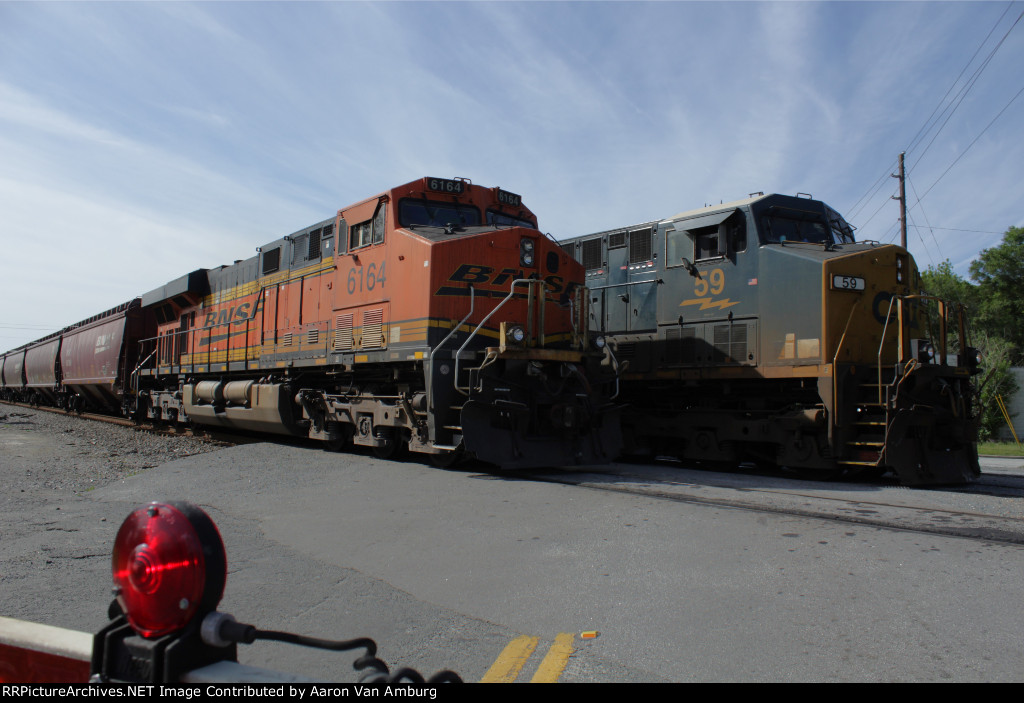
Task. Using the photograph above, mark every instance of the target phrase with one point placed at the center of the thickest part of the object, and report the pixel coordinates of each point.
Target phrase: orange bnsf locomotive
(760, 330)
(433, 317)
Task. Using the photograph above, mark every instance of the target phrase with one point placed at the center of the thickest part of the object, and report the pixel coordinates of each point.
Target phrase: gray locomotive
(761, 330)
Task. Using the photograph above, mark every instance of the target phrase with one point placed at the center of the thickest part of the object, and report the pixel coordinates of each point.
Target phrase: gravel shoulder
(50, 465)
(48, 455)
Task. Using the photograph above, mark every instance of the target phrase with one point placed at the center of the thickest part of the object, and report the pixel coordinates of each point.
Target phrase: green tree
(997, 356)
(999, 273)
(944, 283)
(990, 323)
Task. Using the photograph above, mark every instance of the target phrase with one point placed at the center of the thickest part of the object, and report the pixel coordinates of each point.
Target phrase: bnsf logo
(237, 313)
(485, 275)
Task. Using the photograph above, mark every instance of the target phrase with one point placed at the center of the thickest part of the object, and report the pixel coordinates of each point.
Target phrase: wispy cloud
(151, 139)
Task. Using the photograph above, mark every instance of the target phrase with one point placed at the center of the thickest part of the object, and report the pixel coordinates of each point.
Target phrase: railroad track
(999, 485)
(756, 490)
(168, 431)
(800, 500)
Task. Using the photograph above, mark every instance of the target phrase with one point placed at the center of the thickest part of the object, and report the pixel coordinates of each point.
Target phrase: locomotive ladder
(870, 438)
(872, 423)
(878, 399)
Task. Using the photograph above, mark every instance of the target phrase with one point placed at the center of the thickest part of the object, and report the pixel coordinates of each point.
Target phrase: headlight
(973, 356)
(599, 342)
(526, 251)
(516, 335)
(923, 350)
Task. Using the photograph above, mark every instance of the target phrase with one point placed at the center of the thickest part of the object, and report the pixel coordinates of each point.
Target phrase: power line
(928, 125)
(926, 250)
(970, 84)
(957, 229)
(923, 131)
(930, 230)
(874, 188)
(973, 142)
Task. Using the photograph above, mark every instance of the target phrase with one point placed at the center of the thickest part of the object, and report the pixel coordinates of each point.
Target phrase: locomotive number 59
(701, 285)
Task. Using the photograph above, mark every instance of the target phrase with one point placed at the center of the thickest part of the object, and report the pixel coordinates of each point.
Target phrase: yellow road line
(506, 667)
(555, 660)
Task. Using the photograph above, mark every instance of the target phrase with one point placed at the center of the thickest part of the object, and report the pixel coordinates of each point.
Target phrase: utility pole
(903, 201)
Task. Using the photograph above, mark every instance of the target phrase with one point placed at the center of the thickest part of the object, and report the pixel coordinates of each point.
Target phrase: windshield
(498, 218)
(785, 225)
(433, 214)
(842, 231)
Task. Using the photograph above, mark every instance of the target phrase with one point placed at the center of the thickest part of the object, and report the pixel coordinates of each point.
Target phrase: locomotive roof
(721, 206)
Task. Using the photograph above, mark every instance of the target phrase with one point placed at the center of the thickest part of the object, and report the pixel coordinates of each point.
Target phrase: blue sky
(140, 141)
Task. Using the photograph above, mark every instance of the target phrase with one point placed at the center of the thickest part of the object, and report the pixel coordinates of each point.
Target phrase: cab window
(429, 213)
(788, 225)
(501, 219)
(369, 232)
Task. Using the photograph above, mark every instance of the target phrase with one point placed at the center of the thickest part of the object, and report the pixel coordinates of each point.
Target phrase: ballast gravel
(53, 453)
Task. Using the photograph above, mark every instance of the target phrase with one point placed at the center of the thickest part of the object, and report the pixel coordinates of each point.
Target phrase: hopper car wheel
(448, 459)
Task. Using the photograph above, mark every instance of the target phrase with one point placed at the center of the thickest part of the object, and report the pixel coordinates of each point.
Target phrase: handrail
(203, 328)
(943, 310)
(881, 343)
(511, 294)
(835, 359)
(135, 372)
(430, 354)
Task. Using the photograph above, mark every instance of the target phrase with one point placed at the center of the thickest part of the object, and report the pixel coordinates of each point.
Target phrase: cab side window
(705, 242)
(678, 246)
(359, 235)
(369, 232)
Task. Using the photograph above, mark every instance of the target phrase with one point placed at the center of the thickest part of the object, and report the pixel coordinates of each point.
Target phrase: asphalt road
(685, 576)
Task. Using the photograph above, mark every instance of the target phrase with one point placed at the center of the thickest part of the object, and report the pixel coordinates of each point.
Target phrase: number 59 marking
(717, 283)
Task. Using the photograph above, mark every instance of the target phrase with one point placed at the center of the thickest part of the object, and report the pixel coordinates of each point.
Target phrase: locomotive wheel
(808, 474)
(867, 473)
(390, 449)
(336, 445)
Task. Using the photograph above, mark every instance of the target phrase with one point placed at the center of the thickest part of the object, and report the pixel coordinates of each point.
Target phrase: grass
(1000, 448)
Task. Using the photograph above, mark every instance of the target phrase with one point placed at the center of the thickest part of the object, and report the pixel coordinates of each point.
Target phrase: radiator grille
(343, 333)
(373, 324)
(590, 254)
(640, 246)
(730, 343)
(681, 346)
(314, 245)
